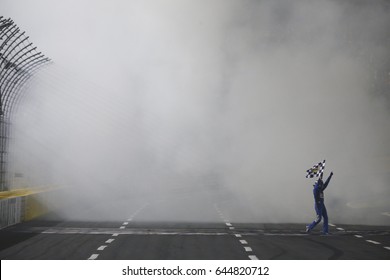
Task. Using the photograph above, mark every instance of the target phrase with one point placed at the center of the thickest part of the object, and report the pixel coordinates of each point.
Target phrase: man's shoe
(307, 229)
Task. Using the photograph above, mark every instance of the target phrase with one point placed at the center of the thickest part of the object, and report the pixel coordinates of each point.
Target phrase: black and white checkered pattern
(316, 170)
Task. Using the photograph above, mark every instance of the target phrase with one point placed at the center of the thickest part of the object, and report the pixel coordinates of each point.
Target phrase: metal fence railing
(21, 205)
(10, 211)
(19, 60)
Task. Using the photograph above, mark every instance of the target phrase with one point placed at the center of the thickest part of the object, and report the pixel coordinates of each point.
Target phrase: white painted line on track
(109, 241)
(332, 225)
(386, 214)
(387, 248)
(231, 227)
(358, 236)
(136, 212)
(373, 242)
(339, 228)
(93, 257)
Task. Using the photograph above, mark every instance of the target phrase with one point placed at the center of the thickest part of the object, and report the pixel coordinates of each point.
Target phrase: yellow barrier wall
(34, 208)
(34, 201)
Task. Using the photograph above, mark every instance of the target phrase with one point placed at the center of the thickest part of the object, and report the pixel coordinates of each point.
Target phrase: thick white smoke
(211, 103)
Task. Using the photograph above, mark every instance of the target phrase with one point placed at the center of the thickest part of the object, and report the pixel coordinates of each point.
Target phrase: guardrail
(10, 211)
(23, 205)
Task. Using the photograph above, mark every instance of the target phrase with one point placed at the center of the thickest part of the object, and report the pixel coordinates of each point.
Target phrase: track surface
(132, 240)
(133, 233)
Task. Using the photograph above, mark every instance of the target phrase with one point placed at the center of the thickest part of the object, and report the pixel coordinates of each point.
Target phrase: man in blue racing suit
(319, 204)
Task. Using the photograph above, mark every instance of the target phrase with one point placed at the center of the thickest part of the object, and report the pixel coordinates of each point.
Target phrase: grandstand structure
(19, 61)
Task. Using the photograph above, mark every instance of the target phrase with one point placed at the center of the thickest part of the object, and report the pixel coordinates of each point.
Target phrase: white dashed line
(386, 214)
(109, 241)
(387, 248)
(231, 227)
(93, 257)
(373, 242)
(332, 225)
(358, 236)
(136, 212)
(339, 228)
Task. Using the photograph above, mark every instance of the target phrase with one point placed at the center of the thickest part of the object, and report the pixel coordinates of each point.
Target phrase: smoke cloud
(188, 106)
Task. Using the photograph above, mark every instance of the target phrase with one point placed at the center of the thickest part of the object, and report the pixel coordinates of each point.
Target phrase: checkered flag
(316, 170)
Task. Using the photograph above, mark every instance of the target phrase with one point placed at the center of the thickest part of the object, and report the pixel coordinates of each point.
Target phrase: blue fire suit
(319, 205)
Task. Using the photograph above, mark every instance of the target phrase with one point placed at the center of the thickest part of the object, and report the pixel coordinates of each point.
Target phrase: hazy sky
(160, 98)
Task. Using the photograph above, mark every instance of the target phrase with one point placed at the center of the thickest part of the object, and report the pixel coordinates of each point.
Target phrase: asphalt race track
(185, 241)
(185, 226)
